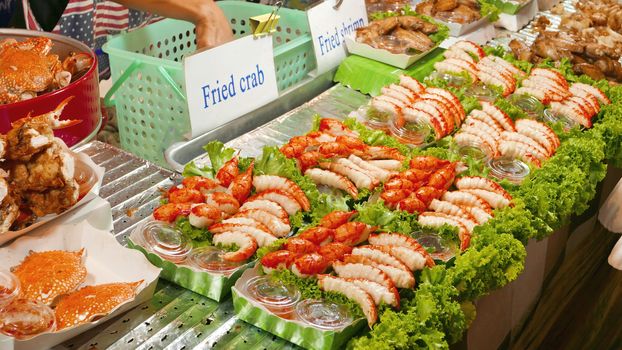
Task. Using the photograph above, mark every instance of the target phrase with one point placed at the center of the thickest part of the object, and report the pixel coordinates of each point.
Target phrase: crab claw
(62, 124)
(78, 62)
(50, 118)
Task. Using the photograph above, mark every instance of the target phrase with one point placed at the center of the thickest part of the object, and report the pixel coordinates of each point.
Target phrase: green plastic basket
(148, 79)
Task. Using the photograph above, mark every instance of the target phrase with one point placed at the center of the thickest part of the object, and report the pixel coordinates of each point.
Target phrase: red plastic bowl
(84, 106)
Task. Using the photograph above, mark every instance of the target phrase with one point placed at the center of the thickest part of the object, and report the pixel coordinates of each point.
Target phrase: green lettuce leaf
(196, 234)
(218, 155)
(377, 214)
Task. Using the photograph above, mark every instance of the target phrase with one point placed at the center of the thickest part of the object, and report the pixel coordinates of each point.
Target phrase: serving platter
(106, 261)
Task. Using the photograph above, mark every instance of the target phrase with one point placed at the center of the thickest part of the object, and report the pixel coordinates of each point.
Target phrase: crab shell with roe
(92, 302)
(44, 276)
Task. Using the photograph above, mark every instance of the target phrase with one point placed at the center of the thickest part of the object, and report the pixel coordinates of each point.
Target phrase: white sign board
(229, 81)
(330, 27)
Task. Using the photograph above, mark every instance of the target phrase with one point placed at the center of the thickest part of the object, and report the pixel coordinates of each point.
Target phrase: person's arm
(212, 25)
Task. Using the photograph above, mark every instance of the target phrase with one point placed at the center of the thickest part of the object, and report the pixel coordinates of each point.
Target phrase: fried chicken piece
(53, 201)
(541, 23)
(609, 67)
(590, 70)
(414, 40)
(369, 34)
(462, 14)
(426, 8)
(416, 23)
(445, 5)
(575, 21)
(521, 50)
(49, 169)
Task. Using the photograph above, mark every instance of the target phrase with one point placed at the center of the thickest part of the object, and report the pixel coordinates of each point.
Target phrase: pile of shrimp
(497, 135)
(224, 206)
(470, 205)
(410, 101)
(468, 57)
(579, 102)
(334, 156)
(369, 274)
(426, 179)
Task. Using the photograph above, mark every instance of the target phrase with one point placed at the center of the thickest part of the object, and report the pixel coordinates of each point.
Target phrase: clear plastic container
(166, 241)
(411, 133)
(548, 116)
(85, 177)
(323, 314)
(274, 295)
(438, 247)
(528, 104)
(23, 319)
(210, 259)
(482, 92)
(391, 43)
(513, 170)
(385, 6)
(451, 79)
(376, 119)
(475, 150)
(9, 288)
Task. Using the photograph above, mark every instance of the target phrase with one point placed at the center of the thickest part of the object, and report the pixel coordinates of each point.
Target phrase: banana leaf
(369, 76)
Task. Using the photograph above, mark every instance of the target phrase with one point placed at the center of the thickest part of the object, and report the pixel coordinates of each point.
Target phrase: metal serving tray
(177, 318)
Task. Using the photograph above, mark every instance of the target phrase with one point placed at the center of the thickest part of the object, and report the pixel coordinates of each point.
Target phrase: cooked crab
(9, 209)
(30, 135)
(53, 201)
(44, 276)
(90, 302)
(27, 68)
(49, 169)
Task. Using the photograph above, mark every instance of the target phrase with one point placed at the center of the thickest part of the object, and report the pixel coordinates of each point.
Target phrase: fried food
(591, 38)
(411, 33)
(50, 169)
(44, 276)
(53, 201)
(415, 40)
(454, 11)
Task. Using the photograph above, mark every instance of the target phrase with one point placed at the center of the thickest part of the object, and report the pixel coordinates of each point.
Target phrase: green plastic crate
(148, 80)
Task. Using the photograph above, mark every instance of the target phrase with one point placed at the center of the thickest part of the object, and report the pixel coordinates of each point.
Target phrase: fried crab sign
(228, 81)
(331, 22)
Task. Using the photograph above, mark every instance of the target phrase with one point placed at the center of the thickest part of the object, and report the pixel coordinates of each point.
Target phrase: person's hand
(213, 27)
